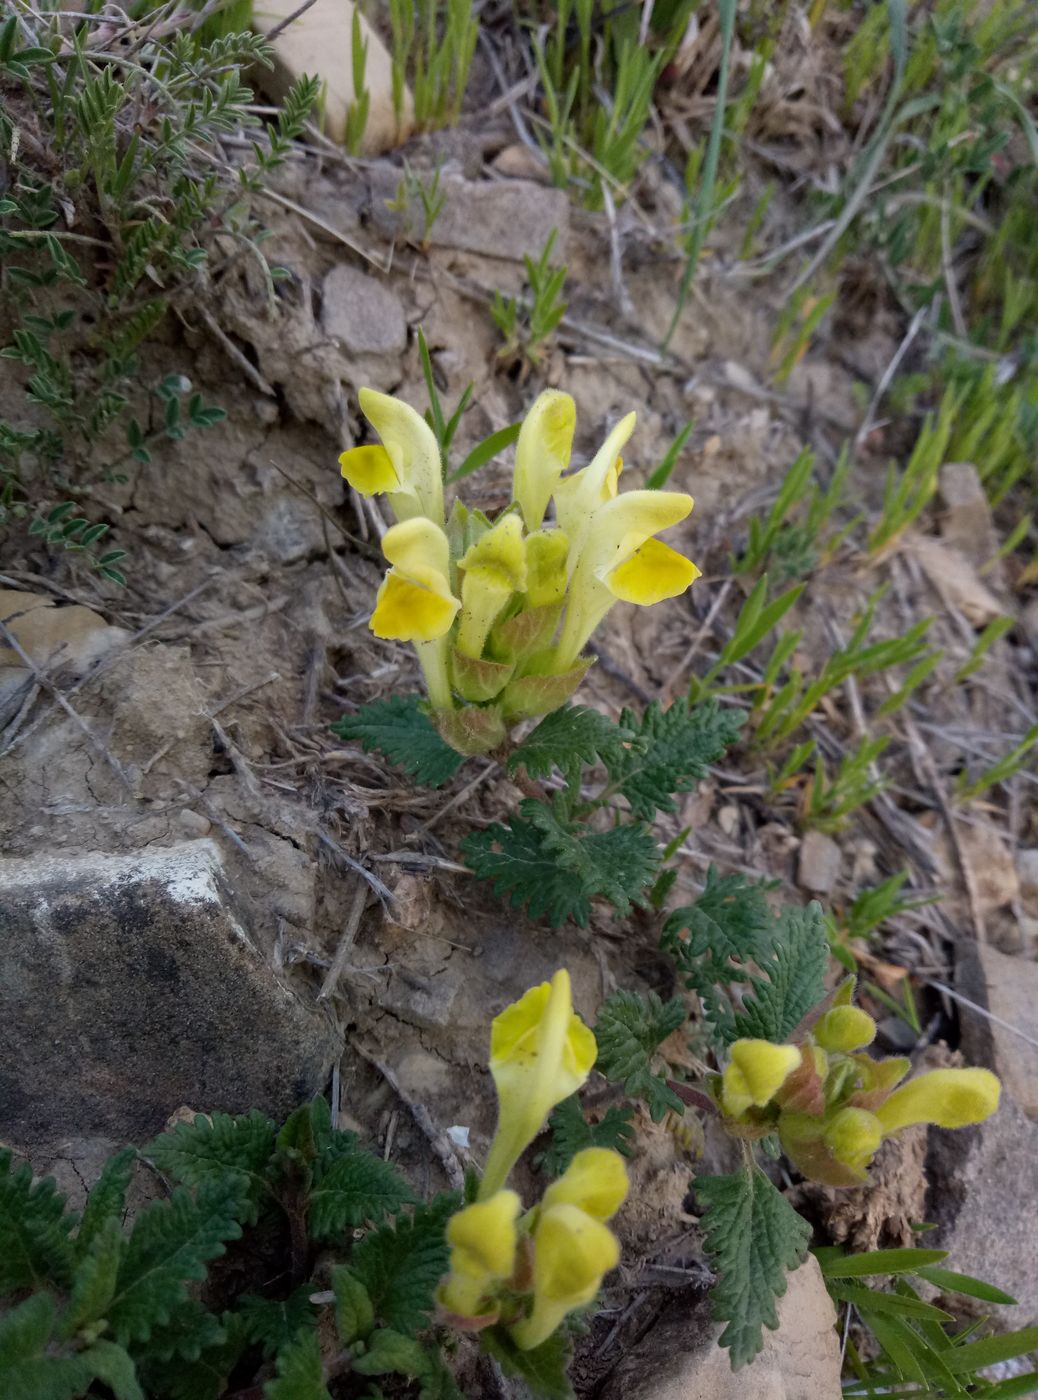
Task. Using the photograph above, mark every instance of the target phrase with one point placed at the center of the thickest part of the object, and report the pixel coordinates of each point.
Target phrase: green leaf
(28, 1370)
(300, 1371)
(354, 1314)
(544, 1368)
(171, 1244)
(391, 1352)
(878, 1262)
(872, 1299)
(485, 450)
(107, 1199)
(352, 1189)
(216, 1149)
(34, 1230)
(989, 1351)
(950, 1282)
(519, 866)
(629, 1031)
(678, 746)
(401, 1265)
(189, 1331)
(114, 1366)
(94, 1285)
(572, 1133)
(616, 865)
(568, 737)
(204, 1376)
(398, 728)
(752, 1236)
(795, 981)
(273, 1323)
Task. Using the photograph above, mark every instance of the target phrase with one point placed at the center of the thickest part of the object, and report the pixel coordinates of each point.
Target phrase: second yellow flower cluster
(528, 1271)
(832, 1105)
(500, 612)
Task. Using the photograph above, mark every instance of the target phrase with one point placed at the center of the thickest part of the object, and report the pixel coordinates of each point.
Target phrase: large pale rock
(319, 44)
(1007, 1040)
(680, 1358)
(363, 314)
(501, 218)
(129, 985)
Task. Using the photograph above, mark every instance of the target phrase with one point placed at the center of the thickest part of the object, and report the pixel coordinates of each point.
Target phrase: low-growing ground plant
(527, 323)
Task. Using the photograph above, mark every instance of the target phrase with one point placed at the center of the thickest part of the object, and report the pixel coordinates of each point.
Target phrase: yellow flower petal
(546, 554)
(948, 1098)
(499, 554)
(756, 1073)
(853, 1137)
(412, 608)
(577, 497)
(652, 573)
(542, 453)
(411, 446)
(540, 1053)
(369, 470)
(572, 1253)
(595, 1181)
(845, 1028)
(483, 1236)
(417, 544)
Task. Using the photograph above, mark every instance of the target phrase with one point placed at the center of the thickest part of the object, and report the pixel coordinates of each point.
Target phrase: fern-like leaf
(351, 1189)
(567, 738)
(401, 1265)
(107, 1199)
(29, 1368)
(544, 1368)
(204, 1377)
(572, 1133)
(795, 977)
(398, 727)
(300, 1372)
(675, 748)
(212, 1150)
(753, 1237)
(171, 1244)
(515, 861)
(35, 1249)
(272, 1324)
(189, 1331)
(629, 1031)
(94, 1284)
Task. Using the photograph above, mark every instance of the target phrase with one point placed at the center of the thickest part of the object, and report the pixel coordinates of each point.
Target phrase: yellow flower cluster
(832, 1105)
(500, 612)
(528, 1271)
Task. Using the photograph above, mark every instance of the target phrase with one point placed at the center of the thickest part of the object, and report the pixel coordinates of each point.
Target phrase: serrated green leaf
(753, 1237)
(351, 1190)
(171, 1244)
(28, 1369)
(570, 736)
(354, 1313)
(273, 1323)
(544, 1368)
(795, 982)
(94, 1284)
(190, 1330)
(35, 1249)
(204, 1377)
(629, 1031)
(212, 1150)
(391, 1353)
(114, 1366)
(572, 1133)
(401, 1265)
(616, 865)
(398, 728)
(300, 1371)
(515, 861)
(677, 746)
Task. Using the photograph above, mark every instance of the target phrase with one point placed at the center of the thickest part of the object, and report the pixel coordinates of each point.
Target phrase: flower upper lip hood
(572, 1253)
(542, 453)
(406, 468)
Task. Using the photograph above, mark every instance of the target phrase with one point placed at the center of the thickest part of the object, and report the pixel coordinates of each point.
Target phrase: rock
(129, 986)
(820, 860)
(966, 524)
(520, 163)
(679, 1359)
(501, 218)
(320, 43)
(1008, 988)
(1027, 873)
(981, 1183)
(66, 640)
(955, 578)
(363, 314)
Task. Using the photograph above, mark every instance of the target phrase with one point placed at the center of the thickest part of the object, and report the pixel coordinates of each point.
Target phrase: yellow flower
(542, 453)
(577, 497)
(620, 561)
(546, 554)
(853, 1137)
(572, 1253)
(493, 568)
(756, 1073)
(595, 1181)
(415, 602)
(845, 1028)
(406, 467)
(540, 1053)
(483, 1241)
(948, 1098)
